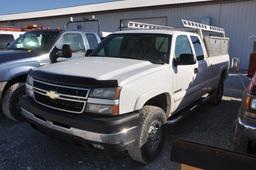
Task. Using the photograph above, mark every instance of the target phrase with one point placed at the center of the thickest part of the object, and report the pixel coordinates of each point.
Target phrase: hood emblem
(52, 95)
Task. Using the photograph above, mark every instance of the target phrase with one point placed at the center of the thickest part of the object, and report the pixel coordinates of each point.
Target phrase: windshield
(150, 47)
(41, 41)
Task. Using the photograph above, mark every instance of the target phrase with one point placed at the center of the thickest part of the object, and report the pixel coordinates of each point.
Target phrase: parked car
(33, 49)
(122, 95)
(245, 124)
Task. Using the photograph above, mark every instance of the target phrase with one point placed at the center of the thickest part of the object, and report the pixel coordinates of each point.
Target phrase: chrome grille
(63, 98)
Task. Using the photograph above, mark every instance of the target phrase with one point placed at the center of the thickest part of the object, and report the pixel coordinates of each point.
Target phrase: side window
(75, 41)
(198, 48)
(5, 39)
(93, 43)
(182, 46)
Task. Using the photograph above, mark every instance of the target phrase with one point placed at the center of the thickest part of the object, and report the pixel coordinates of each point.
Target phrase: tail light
(250, 99)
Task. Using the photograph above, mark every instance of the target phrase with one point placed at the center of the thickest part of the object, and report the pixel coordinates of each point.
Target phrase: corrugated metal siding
(237, 18)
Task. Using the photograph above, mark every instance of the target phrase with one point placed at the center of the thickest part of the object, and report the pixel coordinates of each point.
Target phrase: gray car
(34, 49)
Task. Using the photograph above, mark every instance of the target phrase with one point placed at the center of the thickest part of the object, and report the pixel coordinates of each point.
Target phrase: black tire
(150, 137)
(240, 142)
(11, 102)
(217, 94)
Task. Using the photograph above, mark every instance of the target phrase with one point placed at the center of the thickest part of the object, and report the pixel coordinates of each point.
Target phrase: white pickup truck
(124, 92)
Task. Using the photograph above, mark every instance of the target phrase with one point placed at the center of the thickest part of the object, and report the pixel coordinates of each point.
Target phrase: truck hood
(103, 68)
(10, 55)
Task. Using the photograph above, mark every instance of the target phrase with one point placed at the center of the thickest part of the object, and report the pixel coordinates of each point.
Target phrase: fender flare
(143, 98)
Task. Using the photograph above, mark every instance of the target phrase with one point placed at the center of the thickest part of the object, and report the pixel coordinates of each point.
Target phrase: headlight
(29, 86)
(105, 93)
(103, 109)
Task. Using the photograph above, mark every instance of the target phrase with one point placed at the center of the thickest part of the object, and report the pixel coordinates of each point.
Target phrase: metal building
(237, 17)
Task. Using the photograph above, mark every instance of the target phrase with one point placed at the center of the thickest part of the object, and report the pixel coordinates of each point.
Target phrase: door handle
(196, 70)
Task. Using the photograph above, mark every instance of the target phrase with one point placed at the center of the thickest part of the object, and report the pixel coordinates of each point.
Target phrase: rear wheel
(11, 102)
(217, 94)
(150, 138)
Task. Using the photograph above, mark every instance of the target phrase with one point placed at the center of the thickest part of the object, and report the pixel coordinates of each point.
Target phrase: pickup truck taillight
(250, 99)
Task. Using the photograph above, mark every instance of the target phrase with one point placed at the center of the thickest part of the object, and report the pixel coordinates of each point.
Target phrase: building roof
(107, 6)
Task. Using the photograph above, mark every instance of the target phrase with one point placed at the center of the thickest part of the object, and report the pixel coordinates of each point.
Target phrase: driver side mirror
(88, 52)
(66, 51)
(56, 53)
(184, 59)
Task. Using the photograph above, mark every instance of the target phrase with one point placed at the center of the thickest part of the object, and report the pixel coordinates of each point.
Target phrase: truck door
(202, 77)
(184, 74)
(76, 42)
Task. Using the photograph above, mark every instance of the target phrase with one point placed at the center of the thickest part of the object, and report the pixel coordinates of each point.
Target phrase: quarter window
(198, 48)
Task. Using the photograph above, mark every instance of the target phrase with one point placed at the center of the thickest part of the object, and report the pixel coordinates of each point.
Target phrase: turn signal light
(247, 102)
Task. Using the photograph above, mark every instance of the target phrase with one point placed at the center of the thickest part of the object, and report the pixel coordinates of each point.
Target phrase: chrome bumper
(246, 129)
(124, 137)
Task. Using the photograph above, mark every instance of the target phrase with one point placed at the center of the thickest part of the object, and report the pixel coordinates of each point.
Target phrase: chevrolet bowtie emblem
(53, 95)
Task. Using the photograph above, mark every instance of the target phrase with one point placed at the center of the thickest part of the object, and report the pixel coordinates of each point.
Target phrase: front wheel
(11, 102)
(150, 138)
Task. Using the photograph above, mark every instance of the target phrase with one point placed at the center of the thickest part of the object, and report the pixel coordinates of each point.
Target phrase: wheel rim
(154, 135)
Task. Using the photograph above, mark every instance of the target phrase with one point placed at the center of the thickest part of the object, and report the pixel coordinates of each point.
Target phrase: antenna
(140, 25)
(202, 27)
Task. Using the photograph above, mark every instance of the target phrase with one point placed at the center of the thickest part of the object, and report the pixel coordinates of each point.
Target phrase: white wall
(238, 19)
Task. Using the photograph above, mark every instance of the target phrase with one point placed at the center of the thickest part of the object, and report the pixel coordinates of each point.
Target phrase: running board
(177, 117)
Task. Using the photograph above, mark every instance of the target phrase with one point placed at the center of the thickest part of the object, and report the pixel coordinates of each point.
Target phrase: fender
(16, 72)
(142, 99)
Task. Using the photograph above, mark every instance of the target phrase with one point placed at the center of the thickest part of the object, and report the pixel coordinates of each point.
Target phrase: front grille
(63, 98)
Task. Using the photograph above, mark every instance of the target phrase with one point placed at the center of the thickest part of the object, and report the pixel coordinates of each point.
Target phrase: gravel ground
(21, 147)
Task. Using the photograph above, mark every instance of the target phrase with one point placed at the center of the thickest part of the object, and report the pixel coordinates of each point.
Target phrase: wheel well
(163, 101)
(20, 78)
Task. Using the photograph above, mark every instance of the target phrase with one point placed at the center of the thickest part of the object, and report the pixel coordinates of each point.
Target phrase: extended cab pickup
(123, 94)
(33, 49)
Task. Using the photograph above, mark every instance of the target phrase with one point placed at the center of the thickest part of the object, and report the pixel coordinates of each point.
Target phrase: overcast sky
(18, 6)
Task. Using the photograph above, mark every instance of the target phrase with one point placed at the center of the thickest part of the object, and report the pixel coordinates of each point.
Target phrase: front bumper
(246, 128)
(121, 130)
(2, 85)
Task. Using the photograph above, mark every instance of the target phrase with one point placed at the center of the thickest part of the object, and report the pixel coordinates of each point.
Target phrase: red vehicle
(245, 125)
